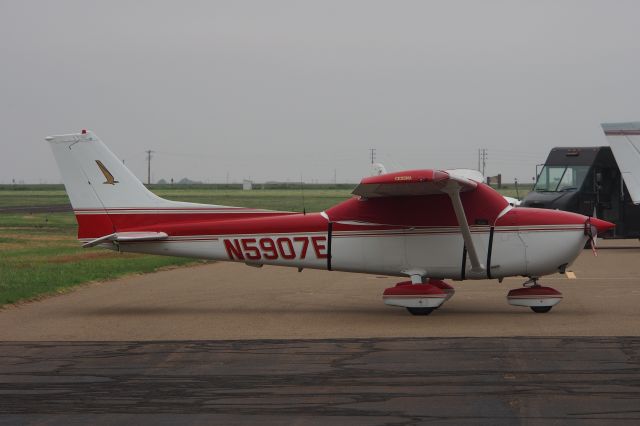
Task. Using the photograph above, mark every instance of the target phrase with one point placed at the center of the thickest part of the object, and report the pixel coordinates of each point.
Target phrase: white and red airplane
(424, 225)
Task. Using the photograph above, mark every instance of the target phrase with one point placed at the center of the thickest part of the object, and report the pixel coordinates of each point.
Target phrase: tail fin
(106, 196)
(624, 139)
(95, 178)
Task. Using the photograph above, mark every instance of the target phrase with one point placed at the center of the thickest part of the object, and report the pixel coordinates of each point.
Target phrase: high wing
(424, 183)
(412, 183)
(624, 139)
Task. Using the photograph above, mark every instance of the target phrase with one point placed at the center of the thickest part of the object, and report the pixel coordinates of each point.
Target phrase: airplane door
(439, 254)
(508, 253)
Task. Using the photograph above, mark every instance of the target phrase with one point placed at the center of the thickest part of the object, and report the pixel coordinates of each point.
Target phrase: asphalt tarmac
(489, 381)
(229, 344)
(235, 301)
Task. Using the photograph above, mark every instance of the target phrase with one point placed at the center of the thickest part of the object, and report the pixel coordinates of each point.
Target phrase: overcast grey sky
(275, 89)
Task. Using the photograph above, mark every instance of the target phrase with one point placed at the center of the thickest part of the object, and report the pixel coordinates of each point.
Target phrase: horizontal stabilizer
(127, 237)
(624, 139)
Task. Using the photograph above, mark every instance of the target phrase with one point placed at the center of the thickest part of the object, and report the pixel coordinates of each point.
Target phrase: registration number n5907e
(276, 248)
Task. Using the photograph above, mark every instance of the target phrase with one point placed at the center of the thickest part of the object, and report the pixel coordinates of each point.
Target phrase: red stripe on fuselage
(96, 224)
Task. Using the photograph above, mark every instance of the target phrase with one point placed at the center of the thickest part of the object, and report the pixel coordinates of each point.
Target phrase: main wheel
(420, 311)
(541, 309)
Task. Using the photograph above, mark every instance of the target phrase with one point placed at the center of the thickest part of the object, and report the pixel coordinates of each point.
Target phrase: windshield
(561, 178)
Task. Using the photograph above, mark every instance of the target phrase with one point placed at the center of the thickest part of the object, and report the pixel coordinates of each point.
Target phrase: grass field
(39, 253)
(273, 196)
(32, 195)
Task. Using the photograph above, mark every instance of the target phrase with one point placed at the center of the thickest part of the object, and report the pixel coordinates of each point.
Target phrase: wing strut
(453, 190)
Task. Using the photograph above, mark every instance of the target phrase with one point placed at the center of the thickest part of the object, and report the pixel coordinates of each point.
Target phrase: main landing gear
(539, 298)
(422, 298)
(419, 298)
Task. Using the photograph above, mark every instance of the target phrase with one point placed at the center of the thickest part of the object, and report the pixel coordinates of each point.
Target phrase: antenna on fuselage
(304, 209)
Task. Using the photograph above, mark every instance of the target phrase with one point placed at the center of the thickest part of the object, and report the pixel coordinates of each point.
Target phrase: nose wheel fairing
(538, 296)
(532, 295)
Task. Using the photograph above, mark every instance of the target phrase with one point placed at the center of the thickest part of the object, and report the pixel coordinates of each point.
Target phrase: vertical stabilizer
(95, 178)
(624, 139)
(105, 195)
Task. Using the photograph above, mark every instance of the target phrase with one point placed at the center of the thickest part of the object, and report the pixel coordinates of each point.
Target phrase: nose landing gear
(539, 298)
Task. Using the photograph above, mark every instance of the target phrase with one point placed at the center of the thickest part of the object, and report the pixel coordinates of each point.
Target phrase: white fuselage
(435, 252)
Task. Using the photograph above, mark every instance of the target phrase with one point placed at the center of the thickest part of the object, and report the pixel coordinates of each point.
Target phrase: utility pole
(482, 160)
(149, 152)
(373, 155)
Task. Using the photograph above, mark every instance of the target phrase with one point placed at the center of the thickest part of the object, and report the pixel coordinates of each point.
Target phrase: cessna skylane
(423, 225)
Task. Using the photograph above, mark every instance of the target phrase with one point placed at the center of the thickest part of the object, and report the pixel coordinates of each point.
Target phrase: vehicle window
(549, 178)
(561, 178)
(573, 178)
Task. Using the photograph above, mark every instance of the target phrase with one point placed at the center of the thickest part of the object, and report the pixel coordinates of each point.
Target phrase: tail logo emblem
(107, 174)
